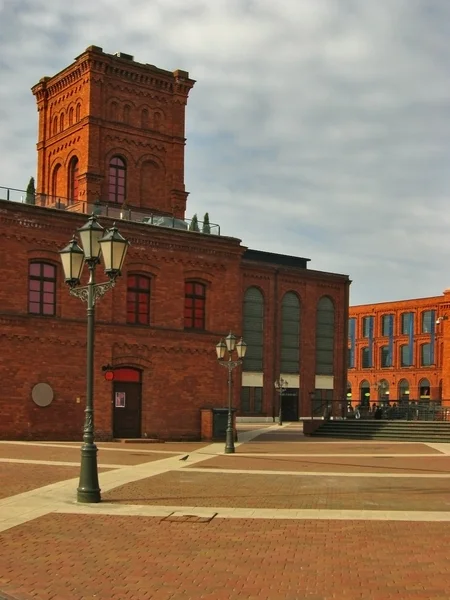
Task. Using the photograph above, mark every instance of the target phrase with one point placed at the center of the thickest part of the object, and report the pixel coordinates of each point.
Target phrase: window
(428, 318)
(70, 116)
(325, 336)
(126, 114)
(56, 177)
(290, 333)
(405, 358)
(425, 355)
(144, 119)
(117, 180)
(386, 321)
(253, 328)
(351, 343)
(407, 320)
(41, 289)
(365, 358)
(78, 113)
(61, 122)
(194, 305)
(113, 111)
(403, 389)
(385, 358)
(252, 400)
(55, 125)
(366, 324)
(138, 299)
(73, 179)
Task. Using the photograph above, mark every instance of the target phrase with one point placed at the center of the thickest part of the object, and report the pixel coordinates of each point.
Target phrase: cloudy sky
(319, 128)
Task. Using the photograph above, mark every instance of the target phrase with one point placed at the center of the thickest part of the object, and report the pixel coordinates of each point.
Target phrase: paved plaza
(285, 518)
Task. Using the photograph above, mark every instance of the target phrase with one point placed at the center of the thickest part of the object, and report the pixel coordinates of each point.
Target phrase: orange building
(111, 141)
(398, 351)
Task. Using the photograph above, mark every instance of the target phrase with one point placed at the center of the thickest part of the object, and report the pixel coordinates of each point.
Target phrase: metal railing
(107, 209)
(411, 410)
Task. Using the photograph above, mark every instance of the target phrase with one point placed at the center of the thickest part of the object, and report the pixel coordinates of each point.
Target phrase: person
(378, 413)
(357, 413)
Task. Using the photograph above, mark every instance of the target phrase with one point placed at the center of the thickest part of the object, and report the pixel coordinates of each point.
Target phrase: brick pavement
(19, 478)
(78, 557)
(347, 536)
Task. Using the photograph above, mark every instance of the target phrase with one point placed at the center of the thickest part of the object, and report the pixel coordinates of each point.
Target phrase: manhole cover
(180, 517)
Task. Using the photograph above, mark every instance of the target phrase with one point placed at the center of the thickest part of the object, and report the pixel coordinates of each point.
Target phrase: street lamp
(95, 241)
(281, 386)
(228, 346)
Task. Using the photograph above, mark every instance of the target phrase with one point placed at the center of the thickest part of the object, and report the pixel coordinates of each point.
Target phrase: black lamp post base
(229, 446)
(88, 489)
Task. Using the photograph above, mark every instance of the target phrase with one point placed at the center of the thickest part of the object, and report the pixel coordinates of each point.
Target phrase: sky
(316, 128)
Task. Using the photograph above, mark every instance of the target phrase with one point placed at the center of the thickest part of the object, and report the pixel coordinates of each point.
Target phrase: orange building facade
(111, 142)
(399, 351)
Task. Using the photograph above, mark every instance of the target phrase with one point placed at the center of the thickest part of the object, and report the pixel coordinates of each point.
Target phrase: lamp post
(95, 241)
(281, 386)
(228, 346)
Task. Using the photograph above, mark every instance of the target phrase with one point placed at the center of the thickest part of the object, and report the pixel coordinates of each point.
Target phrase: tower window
(117, 180)
(42, 289)
(194, 305)
(73, 179)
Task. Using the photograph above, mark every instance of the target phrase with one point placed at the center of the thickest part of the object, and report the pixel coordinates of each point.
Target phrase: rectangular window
(385, 325)
(425, 355)
(366, 326)
(42, 289)
(406, 322)
(251, 400)
(365, 358)
(427, 321)
(405, 358)
(385, 359)
(194, 305)
(138, 300)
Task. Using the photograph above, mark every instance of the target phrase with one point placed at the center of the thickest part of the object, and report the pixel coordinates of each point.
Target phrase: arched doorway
(364, 393)
(383, 391)
(349, 393)
(127, 394)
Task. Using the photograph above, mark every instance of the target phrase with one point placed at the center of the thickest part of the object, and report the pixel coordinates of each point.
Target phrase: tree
(206, 226)
(30, 198)
(194, 224)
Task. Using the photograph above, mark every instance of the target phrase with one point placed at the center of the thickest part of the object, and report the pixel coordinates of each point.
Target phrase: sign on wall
(120, 399)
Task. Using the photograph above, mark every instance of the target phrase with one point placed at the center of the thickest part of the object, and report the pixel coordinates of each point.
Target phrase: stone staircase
(400, 431)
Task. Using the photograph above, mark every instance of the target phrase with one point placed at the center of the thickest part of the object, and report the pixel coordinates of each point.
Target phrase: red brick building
(111, 140)
(399, 351)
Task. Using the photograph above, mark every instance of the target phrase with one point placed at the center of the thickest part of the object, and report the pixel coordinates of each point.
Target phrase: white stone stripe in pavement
(56, 463)
(318, 473)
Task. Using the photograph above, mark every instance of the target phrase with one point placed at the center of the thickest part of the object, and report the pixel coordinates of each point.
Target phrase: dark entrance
(290, 405)
(127, 403)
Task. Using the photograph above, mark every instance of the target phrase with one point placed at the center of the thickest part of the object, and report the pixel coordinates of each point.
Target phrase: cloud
(317, 127)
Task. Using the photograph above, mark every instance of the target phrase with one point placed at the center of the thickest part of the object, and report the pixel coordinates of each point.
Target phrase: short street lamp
(281, 386)
(229, 345)
(95, 241)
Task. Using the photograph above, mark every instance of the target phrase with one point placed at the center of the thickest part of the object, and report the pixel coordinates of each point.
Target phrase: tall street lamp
(228, 346)
(95, 241)
(281, 386)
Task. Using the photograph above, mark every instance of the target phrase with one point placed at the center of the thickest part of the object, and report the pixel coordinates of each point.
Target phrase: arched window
(253, 329)
(194, 305)
(383, 390)
(138, 299)
(61, 122)
(157, 118)
(403, 390)
(126, 113)
(73, 179)
(325, 337)
(71, 116)
(55, 125)
(117, 180)
(290, 333)
(424, 389)
(78, 113)
(113, 111)
(144, 119)
(56, 177)
(364, 393)
(41, 289)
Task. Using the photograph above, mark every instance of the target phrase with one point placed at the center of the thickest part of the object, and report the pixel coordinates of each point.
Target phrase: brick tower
(113, 130)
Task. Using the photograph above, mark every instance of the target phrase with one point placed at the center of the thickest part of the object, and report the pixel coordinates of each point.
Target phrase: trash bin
(220, 422)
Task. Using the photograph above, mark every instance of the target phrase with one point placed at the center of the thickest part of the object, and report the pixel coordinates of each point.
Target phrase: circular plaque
(42, 394)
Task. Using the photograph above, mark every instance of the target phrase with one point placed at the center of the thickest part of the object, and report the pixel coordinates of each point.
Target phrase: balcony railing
(107, 209)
